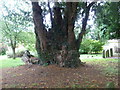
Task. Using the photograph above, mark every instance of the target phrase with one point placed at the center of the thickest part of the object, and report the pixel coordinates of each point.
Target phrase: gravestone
(111, 48)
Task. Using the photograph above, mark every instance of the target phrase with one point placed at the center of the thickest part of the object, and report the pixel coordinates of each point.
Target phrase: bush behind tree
(3, 49)
(91, 46)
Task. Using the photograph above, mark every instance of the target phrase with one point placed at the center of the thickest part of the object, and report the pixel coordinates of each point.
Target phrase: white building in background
(112, 48)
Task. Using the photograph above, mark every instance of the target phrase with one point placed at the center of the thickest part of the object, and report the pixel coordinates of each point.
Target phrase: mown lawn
(9, 62)
(108, 66)
(89, 56)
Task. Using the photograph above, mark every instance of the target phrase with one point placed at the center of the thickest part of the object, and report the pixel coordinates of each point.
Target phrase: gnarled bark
(59, 45)
(39, 26)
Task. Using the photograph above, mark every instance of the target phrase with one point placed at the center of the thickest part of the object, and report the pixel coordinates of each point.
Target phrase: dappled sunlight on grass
(98, 60)
(90, 56)
(108, 66)
(9, 62)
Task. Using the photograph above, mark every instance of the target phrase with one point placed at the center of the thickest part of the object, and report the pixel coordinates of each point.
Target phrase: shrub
(85, 46)
(96, 46)
(2, 51)
(9, 54)
(91, 46)
(19, 52)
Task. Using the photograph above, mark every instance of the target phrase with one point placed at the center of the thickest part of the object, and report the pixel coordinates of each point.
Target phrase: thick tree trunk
(39, 26)
(58, 45)
(71, 16)
(38, 49)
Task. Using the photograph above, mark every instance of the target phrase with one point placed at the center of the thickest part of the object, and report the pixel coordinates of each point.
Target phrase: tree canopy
(13, 23)
(108, 19)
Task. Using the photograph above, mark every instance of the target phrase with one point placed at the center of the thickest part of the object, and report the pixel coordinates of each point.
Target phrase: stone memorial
(111, 48)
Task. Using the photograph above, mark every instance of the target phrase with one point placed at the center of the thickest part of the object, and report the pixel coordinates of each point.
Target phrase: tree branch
(51, 18)
(71, 17)
(84, 24)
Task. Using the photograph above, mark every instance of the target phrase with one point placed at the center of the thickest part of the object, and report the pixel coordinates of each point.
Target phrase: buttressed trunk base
(58, 45)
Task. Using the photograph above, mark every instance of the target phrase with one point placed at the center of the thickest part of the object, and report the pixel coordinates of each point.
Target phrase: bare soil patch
(52, 76)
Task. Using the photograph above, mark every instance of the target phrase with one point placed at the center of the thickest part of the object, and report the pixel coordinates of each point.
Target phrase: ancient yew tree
(58, 45)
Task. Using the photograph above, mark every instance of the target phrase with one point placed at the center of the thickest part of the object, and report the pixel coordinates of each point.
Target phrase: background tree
(10, 35)
(28, 40)
(12, 23)
(108, 20)
(58, 44)
(91, 46)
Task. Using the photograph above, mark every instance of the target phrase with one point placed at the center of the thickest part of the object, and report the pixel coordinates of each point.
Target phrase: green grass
(84, 56)
(9, 62)
(108, 66)
(86, 84)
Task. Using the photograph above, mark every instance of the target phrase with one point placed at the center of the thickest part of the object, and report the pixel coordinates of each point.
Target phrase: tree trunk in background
(58, 45)
(13, 47)
(14, 54)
